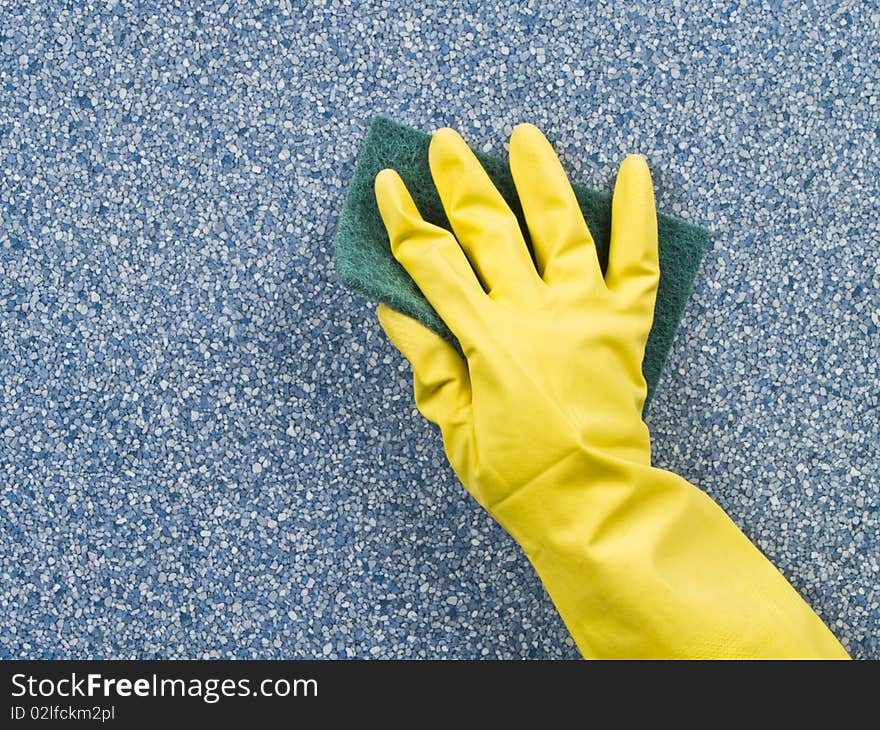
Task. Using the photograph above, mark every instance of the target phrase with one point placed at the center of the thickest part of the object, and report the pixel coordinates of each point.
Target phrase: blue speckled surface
(207, 448)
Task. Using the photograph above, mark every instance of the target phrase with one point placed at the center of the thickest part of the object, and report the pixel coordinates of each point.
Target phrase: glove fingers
(431, 256)
(633, 260)
(484, 225)
(564, 248)
(440, 375)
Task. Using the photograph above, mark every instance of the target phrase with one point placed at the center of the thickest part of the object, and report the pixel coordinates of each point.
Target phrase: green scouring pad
(365, 264)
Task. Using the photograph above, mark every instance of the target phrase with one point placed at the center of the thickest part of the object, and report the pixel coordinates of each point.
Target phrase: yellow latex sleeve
(541, 418)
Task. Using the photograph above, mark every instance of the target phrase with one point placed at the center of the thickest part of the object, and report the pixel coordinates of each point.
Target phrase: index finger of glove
(432, 257)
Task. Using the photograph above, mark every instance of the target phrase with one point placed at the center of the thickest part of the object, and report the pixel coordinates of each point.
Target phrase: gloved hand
(541, 419)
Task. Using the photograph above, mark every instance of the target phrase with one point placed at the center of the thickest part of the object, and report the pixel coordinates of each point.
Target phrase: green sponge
(365, 264)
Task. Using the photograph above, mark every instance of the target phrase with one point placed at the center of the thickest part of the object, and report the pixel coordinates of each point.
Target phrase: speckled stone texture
(208, 449)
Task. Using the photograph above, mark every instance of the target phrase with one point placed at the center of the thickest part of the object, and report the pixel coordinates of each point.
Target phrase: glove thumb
(440, 375)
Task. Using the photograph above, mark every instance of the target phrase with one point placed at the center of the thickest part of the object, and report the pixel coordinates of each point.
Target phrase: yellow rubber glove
(541, 419)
